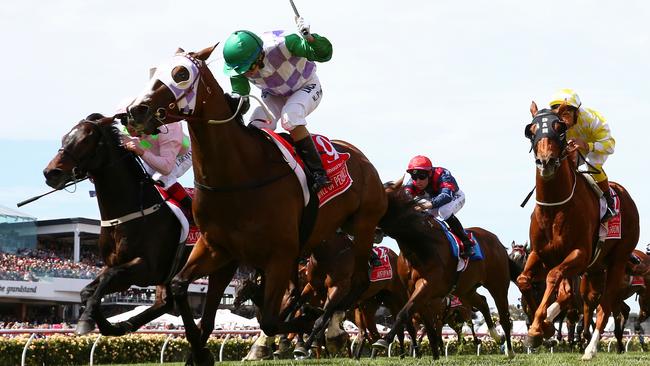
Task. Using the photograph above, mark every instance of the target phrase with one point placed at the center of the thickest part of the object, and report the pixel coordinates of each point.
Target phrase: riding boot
(457, 228)
(611, 206)
(307, 151)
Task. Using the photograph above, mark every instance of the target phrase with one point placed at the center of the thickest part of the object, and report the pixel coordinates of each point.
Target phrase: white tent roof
(224, 319)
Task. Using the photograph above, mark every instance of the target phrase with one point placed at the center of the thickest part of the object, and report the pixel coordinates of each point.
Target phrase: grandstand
(45, 263)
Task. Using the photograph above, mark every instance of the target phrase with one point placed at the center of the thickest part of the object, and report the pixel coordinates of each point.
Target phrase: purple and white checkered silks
(282, 74)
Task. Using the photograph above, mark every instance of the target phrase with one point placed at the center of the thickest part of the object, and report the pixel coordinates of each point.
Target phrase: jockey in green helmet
(283, 66)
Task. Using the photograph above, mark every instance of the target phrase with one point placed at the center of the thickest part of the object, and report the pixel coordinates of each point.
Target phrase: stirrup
(468, 251)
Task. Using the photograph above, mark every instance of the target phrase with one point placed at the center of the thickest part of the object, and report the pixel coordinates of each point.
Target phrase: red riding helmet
(419, 162)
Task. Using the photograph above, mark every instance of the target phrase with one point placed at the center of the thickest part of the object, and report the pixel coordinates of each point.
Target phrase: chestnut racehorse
(433, 276)
(564, 234)
(249, 204)
(130, 206)
(519, 255)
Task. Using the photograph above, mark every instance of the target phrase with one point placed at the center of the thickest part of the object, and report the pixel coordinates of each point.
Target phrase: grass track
(558, 359)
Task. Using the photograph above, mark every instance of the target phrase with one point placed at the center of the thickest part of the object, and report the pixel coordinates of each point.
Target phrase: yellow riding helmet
(568, 95)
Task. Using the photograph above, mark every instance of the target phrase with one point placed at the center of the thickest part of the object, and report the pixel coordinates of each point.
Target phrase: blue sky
(446, 79)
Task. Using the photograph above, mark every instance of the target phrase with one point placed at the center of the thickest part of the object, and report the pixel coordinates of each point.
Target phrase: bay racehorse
(433, 269)
(564, 235)
(248, 203)
(134, 253)
(636, 282)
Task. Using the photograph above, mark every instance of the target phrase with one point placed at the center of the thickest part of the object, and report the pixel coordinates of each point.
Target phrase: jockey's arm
(319, 50)
(445, 196)
(600, 138)
(170, 145)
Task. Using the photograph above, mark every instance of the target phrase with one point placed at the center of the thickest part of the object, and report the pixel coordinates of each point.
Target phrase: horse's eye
(180, 74)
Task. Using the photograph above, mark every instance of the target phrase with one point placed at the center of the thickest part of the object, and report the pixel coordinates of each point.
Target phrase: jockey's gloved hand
(303, 27)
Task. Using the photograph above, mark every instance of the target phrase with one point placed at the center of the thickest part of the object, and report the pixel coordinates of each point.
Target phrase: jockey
(440, 195)
(282, 66)
(166, 156)
(589, 133)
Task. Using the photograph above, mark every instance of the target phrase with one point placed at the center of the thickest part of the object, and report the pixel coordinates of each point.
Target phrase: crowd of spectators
(36, 264)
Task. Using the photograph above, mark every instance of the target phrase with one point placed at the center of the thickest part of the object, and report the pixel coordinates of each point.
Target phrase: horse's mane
(406, 222)
(117, 151)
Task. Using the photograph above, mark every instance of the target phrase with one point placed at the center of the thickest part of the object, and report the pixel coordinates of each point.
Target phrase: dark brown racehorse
(564, 234)
(133, 252)
(433, 276)
(248, 202)
(630, 287)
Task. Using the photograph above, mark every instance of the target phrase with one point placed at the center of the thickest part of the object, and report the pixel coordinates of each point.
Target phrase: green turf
(558, 359)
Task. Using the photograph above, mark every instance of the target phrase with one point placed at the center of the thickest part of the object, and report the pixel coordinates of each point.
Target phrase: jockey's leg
(457, 228)
(307, 151)
(603, 183)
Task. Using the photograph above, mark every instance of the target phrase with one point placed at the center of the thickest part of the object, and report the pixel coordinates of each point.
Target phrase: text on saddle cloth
(612, 228)
(383, 271)
(455, 302)
(189, 234)
(334, 163)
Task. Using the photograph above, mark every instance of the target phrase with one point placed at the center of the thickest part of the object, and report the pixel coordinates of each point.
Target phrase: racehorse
(248, 205)
(130, 206)
(325, 273)
(423, 241)
(564, 234)
(636, 282)
(519, 255)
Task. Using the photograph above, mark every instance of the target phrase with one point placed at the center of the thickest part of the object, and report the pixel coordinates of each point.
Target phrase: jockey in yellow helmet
(589, 133)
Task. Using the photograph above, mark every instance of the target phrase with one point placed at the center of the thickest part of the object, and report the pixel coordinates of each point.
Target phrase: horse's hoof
(534, 341)
(85, 327)
(258, 353)
(300, 352)
(548, 329)
(380, 344)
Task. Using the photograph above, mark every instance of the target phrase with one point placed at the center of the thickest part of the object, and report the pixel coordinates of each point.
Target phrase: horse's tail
(515, 271)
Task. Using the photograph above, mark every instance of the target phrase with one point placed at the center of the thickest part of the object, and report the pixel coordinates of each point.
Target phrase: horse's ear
(206, 52)
(179, 50)
(533, 108)
(105, 121)
(512, 244)
(399, 182)
(527, 246)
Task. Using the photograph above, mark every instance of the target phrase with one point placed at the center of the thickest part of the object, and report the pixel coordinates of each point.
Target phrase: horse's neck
(119, 191)
(559, 187)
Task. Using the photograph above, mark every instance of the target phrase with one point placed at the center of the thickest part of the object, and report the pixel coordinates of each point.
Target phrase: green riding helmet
(240, 51)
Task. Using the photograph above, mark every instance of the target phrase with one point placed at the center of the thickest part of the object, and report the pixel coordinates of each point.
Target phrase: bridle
(80, 167)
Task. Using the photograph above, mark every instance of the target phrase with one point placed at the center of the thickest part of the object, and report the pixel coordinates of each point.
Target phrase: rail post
(162, 350)
(24, 355)
(92, 350)
(223, 343)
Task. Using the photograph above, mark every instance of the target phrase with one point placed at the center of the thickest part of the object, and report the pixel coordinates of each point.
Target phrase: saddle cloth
(189, 235)
(383, 271)
(333, 161)
(612, 228)
(637, 281)
(457, 245)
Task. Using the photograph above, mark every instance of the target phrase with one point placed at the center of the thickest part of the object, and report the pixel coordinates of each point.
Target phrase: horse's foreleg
(105, 283)
(162, 305)
(217, 283)
(609, 300)
(335, 295)
(533, 267)
(421, 294)
(203, 260)
(574, 263)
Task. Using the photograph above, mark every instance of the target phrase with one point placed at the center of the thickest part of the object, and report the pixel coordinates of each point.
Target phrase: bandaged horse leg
(261, 348)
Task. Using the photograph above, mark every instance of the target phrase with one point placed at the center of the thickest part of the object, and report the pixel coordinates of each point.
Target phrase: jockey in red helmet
(440, 195)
